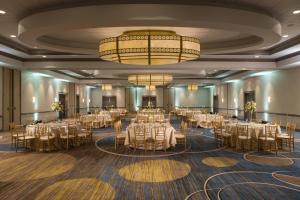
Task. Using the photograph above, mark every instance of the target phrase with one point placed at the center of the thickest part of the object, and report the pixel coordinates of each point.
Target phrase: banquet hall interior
(163, 99)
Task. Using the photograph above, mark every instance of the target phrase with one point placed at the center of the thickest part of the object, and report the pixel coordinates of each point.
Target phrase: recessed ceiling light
(13, 36)
(44, 56)
(295, 12)
(244, 68)
(35, 47)
(2, 12)
(285, 36)
(256, 56)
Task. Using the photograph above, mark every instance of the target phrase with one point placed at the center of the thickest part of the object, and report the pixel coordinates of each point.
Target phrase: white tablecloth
(170, 133)
(207, 118)
(254, 128)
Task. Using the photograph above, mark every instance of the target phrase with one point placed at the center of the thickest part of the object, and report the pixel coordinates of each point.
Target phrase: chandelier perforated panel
(149, 48)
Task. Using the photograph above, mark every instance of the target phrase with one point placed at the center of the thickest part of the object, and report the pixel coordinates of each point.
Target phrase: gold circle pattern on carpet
(155, 171)
(294, 180)
(272, 161)
(83, 188)
(219, 161)
(35, 166)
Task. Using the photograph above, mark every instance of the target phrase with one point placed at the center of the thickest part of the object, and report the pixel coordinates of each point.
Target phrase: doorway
(109, 102)
(216, 104)
(62, 100)
(77, 104)
(149, 101)
(249, 96)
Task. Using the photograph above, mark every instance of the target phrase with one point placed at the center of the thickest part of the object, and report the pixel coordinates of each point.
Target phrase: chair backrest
(118, 126)
(160, 132)
(72, 130)
(11, 126)
(183, 126)
(290, 129)
(139, 132)
(242, 130)
(271, 131)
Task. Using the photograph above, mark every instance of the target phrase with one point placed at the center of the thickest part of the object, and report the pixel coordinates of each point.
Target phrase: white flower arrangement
(250, 106)
(57, 107)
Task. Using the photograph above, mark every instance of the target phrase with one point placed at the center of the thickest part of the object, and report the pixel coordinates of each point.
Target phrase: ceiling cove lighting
(106, 87)
(149, 47)
(150, 87)
(2, 12)
(150, 79)
(192, 87)
(296, 12)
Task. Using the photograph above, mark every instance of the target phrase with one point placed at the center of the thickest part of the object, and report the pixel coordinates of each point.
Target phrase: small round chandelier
(150, 79)
(192, 87)
(150, 87)
(106, 87)
(149, 47)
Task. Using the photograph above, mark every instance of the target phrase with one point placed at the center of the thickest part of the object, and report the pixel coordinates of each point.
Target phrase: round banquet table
(170, 134)
(254, 129)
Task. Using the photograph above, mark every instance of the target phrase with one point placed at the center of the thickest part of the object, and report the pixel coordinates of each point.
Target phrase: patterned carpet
(204, 171)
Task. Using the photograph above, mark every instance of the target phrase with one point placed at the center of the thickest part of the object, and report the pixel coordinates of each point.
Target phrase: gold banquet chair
(243, 136)
(160, 138)
(181, 137)
(119, 134)
(269, 138)
(45, 139)
(139, 139)
(288, 137)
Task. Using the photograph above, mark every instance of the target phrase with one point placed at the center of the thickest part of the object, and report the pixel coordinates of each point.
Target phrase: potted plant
(58, 108)
(250, 108)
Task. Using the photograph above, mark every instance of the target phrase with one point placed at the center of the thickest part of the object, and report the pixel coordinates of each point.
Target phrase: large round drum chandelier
(150, 79)
(192, 87)
(149, 47)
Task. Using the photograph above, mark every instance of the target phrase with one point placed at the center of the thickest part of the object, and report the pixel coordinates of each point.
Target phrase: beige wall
(276, 92)
(1, 99)
(185, 98)
(38, 93)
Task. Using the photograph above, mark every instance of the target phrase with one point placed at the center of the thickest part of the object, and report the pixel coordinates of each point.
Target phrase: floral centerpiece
(250, 107)
(57, 107)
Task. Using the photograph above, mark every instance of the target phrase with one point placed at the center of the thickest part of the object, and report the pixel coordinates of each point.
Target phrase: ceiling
(236, 35)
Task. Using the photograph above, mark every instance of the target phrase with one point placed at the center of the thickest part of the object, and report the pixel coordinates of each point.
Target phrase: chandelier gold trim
(150, 87)
(106, 87)
(150, 79)
(149, 47)
(192, 87)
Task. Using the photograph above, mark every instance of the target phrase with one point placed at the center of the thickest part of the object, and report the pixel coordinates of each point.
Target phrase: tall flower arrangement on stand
(250, 107)
(57, 107)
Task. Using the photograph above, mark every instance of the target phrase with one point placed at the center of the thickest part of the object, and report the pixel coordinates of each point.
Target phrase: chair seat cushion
(268, 138)
(180, 136)
(226, 134)
(121, 135)
(66, 136)
(283, 136)
(242, 137)
(45, 137)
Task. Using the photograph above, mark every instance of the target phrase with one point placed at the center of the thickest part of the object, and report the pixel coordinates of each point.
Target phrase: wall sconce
(89, 101)
(222, 100)
(33, 99)
(82, 100)
(269, 99)
(234, 100)
(55, 99)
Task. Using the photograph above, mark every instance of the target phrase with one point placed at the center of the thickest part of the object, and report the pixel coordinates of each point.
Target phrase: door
(248, 96)
(109, 102)
(77, 104)
(149, 101)
(216, 104)
(62, 100)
